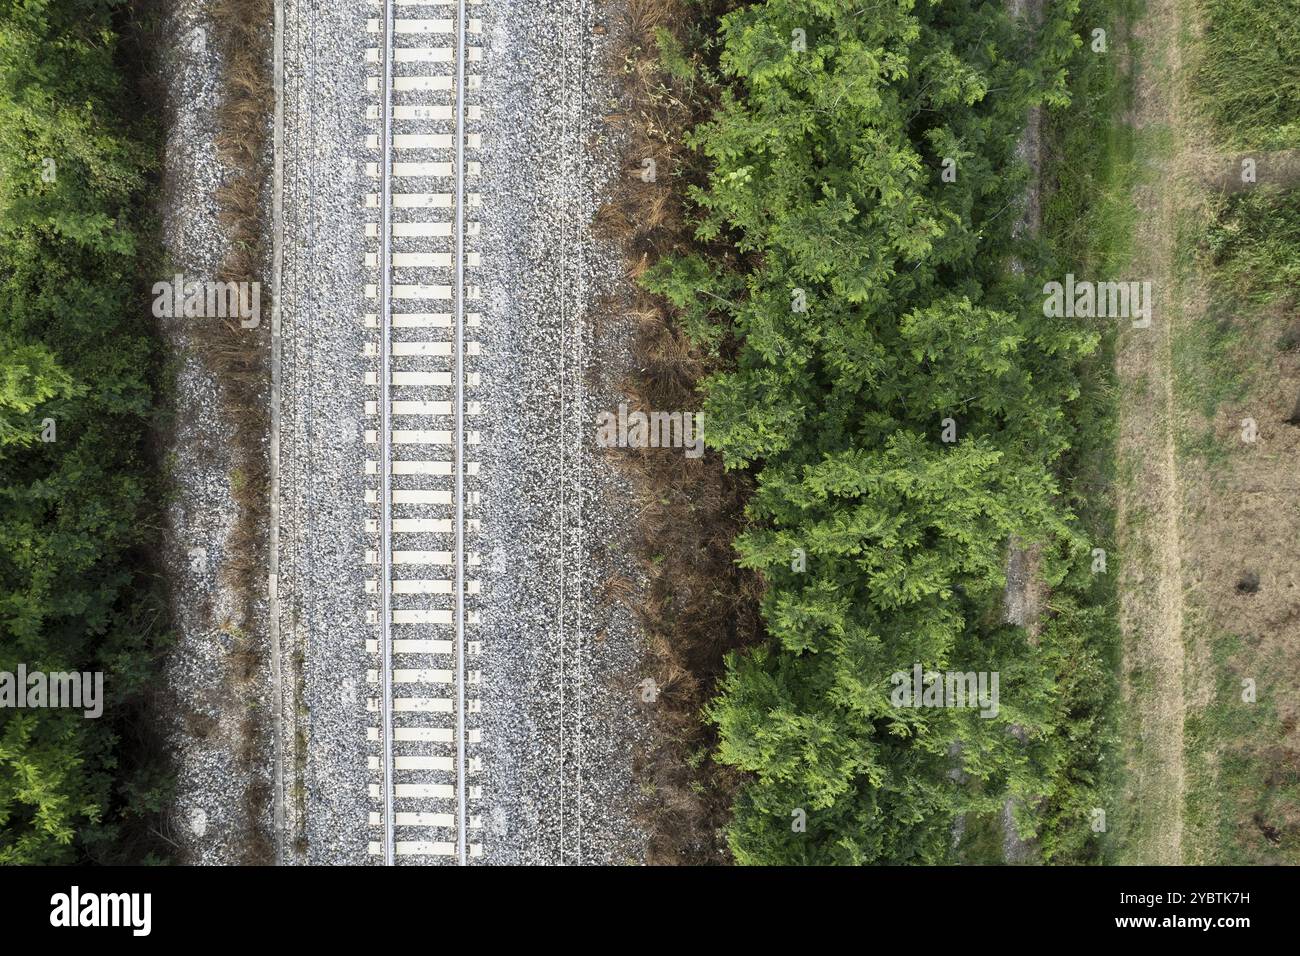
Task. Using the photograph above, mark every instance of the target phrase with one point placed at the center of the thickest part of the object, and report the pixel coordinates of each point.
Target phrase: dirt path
(1023, 596)
(1149, 493)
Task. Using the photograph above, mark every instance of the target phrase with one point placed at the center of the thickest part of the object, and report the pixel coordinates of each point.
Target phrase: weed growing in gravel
(696, 604)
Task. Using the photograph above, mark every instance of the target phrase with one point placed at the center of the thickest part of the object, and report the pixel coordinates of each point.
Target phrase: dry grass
(238, 356)
(238, 360)
(1210, 596)
(1242, 579)
(1149, 523)
(695, 604)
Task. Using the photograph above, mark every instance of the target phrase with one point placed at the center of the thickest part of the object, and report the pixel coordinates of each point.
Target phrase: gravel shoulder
(322, 518)
(560, 713)
(221, 757)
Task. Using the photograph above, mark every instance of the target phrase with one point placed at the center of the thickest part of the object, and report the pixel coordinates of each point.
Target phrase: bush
(874, 301)
(76, 347)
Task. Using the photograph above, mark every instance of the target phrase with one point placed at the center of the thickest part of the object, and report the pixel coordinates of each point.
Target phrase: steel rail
(386, 431)
(458, 411)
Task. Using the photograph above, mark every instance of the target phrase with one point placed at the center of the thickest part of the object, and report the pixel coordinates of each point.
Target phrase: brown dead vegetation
(239, 355)
(238, 359)
(693, 604)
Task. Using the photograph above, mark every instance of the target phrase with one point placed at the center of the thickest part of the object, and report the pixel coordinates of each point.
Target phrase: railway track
(421, 468)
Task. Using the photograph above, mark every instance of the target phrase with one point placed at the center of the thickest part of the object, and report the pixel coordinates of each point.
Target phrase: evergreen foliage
(872, 301)
(76, 348)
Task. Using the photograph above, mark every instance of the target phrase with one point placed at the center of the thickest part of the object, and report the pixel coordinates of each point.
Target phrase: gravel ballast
(560, 714)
